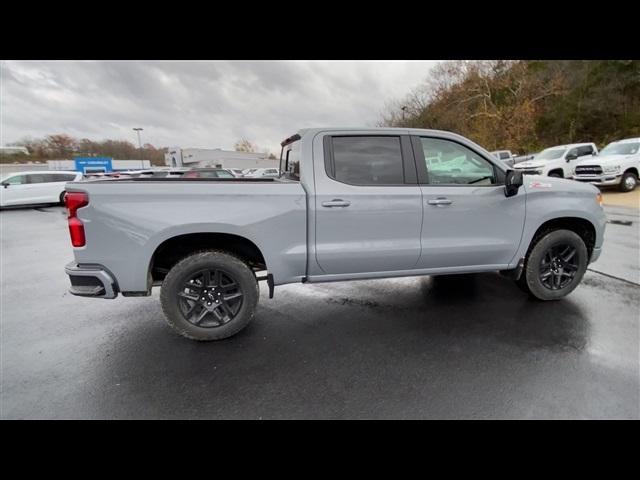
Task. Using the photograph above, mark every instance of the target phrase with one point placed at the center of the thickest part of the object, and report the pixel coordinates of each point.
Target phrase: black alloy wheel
(210, 298)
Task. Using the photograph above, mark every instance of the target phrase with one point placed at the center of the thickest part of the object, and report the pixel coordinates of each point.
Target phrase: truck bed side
(125, 222)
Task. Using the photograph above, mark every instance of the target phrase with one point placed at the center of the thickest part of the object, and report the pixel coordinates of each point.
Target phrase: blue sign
(93, 164)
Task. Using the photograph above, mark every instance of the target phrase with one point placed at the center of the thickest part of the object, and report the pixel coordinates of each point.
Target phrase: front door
(368, 205)
(15, 190)
(468, 221)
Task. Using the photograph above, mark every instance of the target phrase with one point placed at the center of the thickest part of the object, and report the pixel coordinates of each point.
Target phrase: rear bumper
(599, 180)
(91, 281)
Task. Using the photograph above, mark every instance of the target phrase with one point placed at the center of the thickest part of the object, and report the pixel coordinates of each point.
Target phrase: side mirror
(5, 184)
(512, 183)
(571, 156)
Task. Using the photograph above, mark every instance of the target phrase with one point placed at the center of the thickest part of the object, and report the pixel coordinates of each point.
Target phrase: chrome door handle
(440, 201)
(336, 202)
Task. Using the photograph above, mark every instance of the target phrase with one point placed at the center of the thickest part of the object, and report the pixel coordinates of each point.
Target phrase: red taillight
(74, 201)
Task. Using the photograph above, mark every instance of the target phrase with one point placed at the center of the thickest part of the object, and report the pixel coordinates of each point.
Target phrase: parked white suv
(558, 161)
(27, 188)
(617, 165)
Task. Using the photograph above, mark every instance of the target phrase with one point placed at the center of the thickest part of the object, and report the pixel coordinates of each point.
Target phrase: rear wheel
(62, 198)
(555, 265)
(209, 296)
(628, 182)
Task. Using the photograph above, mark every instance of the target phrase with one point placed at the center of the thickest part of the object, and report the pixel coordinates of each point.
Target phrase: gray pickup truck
(350, 204)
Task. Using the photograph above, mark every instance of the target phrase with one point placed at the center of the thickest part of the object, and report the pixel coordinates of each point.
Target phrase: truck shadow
(305, 352)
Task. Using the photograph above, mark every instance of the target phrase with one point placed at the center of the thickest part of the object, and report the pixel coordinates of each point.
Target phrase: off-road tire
(232, 266)
(530, 281)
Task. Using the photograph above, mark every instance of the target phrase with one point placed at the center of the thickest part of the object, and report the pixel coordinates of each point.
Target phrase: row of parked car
(199, 172)
(616, 165)
(44, 187)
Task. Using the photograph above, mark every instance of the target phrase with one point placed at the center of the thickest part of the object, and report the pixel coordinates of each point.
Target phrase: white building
(204, 157)
(115, 165)
(14, 150)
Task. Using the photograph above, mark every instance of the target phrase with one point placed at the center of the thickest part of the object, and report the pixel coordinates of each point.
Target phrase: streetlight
(404, 109)
(138, 130)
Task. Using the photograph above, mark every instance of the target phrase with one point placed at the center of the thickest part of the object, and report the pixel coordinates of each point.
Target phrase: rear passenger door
(468, 222)
(368, 209)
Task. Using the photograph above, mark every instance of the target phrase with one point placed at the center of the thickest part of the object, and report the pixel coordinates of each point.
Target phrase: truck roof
(304, 131)
(571, 145)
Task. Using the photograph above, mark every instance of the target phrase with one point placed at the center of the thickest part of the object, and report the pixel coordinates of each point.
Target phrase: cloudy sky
(196, 104)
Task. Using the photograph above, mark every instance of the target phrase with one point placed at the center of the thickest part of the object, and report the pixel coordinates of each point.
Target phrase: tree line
(62, 146)
(524, 106)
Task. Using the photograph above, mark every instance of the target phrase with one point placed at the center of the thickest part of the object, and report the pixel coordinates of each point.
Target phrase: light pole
(138, 130)
(404, 109)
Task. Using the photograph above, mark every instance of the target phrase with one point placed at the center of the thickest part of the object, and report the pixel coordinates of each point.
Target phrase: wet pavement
(468, 346)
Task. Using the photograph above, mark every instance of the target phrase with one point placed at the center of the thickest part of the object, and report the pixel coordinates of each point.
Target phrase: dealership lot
(451, 347)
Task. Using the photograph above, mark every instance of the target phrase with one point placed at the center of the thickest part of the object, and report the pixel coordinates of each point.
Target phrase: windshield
(620, 148)
(550, 154)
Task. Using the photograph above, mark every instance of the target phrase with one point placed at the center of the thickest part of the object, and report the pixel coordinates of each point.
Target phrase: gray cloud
(196, 104)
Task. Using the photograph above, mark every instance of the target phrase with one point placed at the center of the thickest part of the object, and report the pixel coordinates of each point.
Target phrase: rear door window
(38, 178)
(585, 150)
(367, 160)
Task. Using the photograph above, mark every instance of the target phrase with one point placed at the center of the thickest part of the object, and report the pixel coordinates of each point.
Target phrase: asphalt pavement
(467, 346)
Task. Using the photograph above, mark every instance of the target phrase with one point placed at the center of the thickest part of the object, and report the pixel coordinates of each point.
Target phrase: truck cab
(559, 161)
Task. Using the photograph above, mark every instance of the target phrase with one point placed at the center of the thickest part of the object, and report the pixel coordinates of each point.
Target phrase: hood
(604, 159)
(529, 164)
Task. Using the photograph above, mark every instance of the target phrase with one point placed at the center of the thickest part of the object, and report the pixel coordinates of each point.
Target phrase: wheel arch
(581, 226)
(173, 249)
(633, 170)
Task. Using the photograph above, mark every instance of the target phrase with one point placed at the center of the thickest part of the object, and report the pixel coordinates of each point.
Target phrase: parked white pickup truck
(617, 165)
(558, 161)
(505, 156)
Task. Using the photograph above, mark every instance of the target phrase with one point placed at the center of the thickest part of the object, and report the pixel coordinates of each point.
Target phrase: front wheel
(628, 182)
(209, 295)
(555, 265)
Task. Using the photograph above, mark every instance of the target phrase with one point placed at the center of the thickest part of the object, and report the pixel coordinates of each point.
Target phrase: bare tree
(244, 145)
